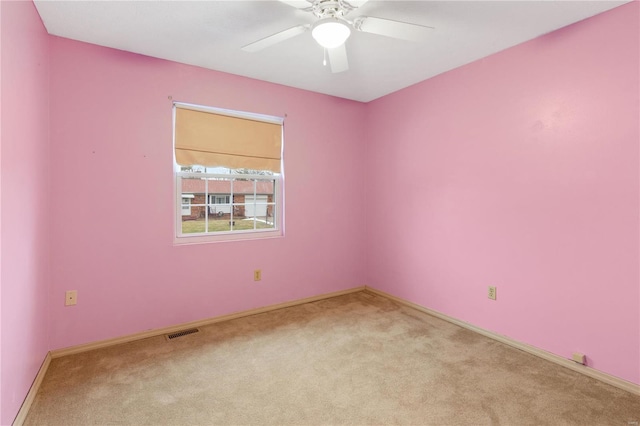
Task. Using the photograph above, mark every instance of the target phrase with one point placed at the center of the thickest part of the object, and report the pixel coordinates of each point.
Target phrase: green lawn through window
(220, 225)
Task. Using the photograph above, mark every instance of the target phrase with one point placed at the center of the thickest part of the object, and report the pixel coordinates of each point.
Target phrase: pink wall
(25, 191)
(1, 214)
(112, 182)
(521, 171)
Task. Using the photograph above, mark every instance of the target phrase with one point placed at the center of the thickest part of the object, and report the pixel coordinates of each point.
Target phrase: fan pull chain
(324, 60)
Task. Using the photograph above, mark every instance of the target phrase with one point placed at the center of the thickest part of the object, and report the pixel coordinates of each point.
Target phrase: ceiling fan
(333, 28)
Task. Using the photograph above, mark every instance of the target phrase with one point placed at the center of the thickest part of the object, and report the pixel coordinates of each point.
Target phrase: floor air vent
(180, 333)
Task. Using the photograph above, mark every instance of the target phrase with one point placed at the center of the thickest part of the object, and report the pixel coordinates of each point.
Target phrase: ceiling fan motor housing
(331, 8)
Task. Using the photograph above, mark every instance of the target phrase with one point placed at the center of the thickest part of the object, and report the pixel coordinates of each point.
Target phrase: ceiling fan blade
(338, 59)
(356, 3)
(298, 4)
(275, 38)
(395, 29)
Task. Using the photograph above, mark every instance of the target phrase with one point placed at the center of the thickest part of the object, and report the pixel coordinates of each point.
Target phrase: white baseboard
(31, 395)
(587, 371)
(57, 353)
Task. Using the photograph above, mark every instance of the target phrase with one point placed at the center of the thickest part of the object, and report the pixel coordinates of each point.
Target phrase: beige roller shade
(210, 139)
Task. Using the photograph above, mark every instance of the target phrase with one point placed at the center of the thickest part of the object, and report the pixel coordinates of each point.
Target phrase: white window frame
(278, 196)
(276, 231)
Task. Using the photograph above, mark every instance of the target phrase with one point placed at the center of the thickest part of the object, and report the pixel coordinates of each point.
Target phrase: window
(228, 174)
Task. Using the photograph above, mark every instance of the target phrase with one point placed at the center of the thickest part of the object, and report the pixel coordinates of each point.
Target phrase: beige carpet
(351, 360)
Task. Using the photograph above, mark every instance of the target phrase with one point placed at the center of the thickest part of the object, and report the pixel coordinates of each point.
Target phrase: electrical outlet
(257, 275)
(579, 358)
(492, 293)
(71, 297)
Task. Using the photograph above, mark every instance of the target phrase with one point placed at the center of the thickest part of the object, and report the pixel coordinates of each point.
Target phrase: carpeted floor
(357, 359)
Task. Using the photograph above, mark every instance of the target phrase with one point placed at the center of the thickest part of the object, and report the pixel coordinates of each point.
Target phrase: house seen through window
(228, 169)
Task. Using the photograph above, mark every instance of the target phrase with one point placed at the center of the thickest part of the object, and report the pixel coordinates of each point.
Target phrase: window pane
(189, 211)
(220, 209)
(192, 226)
(252, 221)
(219, 223)
(243, 224)
(186, 207)
(268, 222)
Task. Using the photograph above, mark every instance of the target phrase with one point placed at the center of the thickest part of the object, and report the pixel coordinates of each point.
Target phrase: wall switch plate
(492, 293)
(71, 297)
(257, 275)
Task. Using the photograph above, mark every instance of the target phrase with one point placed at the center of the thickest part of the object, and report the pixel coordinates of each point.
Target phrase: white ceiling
(210, 34)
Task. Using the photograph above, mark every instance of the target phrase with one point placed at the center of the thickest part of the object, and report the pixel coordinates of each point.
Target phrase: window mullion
(206, 206)
(255, 204)
(231, 220)
(179, 201)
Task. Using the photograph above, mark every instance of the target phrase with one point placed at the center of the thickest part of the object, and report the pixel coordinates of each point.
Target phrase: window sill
(225, 237)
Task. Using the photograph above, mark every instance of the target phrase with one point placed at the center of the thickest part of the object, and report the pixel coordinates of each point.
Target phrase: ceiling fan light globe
(330, 33)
